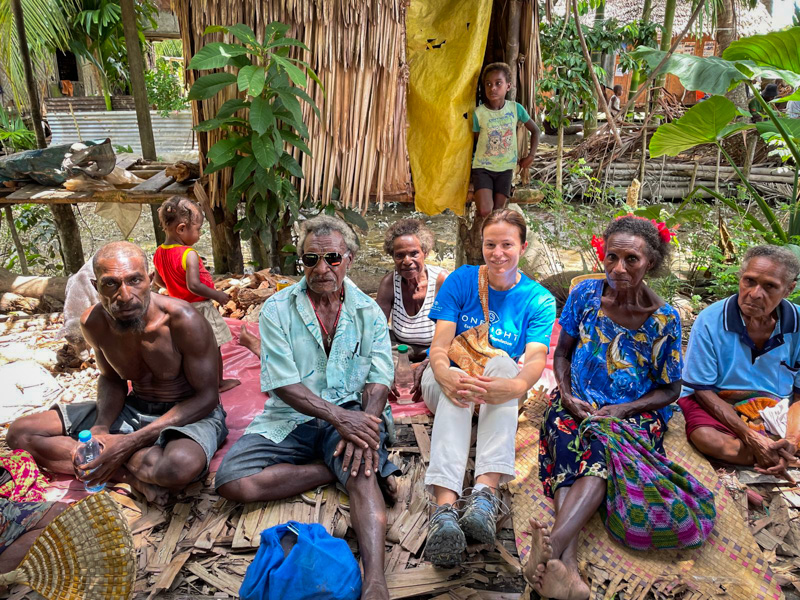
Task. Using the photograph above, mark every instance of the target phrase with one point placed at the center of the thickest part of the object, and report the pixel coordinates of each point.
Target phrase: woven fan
(85, 553)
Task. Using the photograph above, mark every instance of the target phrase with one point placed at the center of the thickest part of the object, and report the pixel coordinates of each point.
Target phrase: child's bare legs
(500, 201)
(484, 202)
(225, 384)
(250, 341)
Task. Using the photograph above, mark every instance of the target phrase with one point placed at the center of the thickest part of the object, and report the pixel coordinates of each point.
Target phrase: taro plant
(258, 128)
(774, 56)
(14, 134)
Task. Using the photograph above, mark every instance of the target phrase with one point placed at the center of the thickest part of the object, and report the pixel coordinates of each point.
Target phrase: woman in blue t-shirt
(521, 316)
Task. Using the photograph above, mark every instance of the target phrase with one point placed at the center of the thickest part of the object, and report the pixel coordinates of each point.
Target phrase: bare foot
(374, 589)
(153, 493)
(228, 384)
(249, 341)
(562, 583)
(540, 553)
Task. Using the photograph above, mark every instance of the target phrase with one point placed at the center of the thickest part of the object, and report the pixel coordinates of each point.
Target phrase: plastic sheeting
(446, 43)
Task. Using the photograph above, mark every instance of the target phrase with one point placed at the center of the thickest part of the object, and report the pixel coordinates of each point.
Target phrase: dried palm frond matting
(84, 553)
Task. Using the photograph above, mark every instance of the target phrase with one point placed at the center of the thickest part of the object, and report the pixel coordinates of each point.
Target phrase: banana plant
(774, 56)
(259, 126)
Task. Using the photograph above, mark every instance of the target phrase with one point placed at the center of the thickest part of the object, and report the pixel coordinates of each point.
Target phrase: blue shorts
(314, 440)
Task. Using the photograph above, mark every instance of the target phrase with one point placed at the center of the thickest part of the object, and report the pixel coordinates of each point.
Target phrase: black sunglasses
(334, 259)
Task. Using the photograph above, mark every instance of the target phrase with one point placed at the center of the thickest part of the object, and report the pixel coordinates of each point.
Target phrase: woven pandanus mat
(729, 565)
(85, 553)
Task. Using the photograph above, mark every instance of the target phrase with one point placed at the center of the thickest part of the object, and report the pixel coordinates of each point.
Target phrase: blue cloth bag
(318, 567)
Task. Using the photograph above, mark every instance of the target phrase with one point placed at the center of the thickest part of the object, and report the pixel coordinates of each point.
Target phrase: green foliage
(257, 144)
(98, 37)
(14, 134)
(704, 123)
(565, 71)
(39, 236)
(776, 54)
(47, 28)
(164, 89)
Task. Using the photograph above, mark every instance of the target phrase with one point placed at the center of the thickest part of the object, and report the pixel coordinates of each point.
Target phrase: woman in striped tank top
(406, 294)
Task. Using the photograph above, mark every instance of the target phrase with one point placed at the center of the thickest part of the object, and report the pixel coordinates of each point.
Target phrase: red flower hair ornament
(664, 232)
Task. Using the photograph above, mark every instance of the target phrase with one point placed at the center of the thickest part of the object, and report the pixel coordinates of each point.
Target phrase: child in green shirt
(494, 125)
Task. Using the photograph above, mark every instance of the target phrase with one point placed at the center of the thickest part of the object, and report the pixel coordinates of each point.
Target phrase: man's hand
(416, 389)
(352, 458)
(770, 457)
(620, 411)
(115, 450)
(525, 163)
(577, 408)
(359, 428)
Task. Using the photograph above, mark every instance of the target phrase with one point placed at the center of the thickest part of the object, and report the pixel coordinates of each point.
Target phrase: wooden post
(136, 66)
(512, 44)
(68, 231)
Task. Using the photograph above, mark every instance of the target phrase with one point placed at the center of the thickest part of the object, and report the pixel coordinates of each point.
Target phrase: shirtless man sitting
(161, 436)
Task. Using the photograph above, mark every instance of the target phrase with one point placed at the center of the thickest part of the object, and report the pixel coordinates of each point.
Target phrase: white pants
(452, 428)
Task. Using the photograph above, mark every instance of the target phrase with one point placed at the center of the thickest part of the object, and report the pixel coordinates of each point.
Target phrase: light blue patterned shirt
(292, 352)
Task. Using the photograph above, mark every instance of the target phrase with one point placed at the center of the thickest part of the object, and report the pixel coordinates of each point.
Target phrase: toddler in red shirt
(180, 269)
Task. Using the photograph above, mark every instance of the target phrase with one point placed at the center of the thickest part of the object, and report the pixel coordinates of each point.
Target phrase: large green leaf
(295, 73)
(701, 124)
(779, 49)
(708, 74)
(208, 85)
(768, 130)
(242, 171)
(225, 150)
(215, 55)
(243, 33)
(261, 117)
(251, 78)
(264, 151)
(230, 107)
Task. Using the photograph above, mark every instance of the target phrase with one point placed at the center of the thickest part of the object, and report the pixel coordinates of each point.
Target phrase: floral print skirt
(564, 457)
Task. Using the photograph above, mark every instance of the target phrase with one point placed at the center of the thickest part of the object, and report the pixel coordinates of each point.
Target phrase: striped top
(416, 329)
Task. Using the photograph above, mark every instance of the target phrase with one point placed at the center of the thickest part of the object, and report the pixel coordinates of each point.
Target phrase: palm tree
(48, 25)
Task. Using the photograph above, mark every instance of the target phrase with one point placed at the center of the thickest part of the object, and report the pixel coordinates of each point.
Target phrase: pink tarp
(245, 401)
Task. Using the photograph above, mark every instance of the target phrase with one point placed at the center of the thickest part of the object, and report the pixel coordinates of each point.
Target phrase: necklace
(328, 336)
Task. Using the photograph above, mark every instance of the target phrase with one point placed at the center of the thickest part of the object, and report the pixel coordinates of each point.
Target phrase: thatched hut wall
(357, 50)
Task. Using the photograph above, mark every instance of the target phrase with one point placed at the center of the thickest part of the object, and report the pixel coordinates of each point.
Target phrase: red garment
(170, 262)
(696, 417)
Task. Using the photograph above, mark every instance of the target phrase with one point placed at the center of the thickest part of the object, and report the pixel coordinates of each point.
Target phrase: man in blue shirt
(326, 362)
(747, 343)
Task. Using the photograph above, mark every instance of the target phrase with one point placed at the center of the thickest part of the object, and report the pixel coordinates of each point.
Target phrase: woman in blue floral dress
(619, 355)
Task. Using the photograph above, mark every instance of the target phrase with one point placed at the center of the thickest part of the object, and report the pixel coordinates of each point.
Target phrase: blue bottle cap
(402, 348)
(84, 436)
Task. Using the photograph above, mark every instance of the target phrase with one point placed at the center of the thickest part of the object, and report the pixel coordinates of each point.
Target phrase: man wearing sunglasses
(326, 363)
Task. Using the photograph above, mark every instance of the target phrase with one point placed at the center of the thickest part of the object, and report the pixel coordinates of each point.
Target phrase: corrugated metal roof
(172, 134)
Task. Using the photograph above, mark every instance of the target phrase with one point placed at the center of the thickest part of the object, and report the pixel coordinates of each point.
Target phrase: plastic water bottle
(403, 376)
(87, 452)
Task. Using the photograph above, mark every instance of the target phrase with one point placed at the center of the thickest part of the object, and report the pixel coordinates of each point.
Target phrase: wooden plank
(167, 576)
(247, 527)
(508, 557)
(211, 579)
(170, 540)
(124, 162)
(178, 189)
(208, 536)
(155, 184)
(423, 441)
(147, 521)
(33, 192)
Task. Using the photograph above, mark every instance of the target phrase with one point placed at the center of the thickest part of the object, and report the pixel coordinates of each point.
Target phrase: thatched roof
(749, 22)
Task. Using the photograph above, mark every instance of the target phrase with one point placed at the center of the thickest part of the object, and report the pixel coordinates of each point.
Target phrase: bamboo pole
(23, 260)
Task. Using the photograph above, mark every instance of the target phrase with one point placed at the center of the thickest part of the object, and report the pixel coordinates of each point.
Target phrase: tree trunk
(512, 44)
(41, 288)
(590, 113)
(726, 25)
(136, 68)
(666, 38)
(469, 248)
(70, 236)
(560, 145)
(638, 75)
(261, 254)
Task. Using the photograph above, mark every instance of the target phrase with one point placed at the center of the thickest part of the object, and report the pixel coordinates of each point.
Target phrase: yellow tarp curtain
(446, 44)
